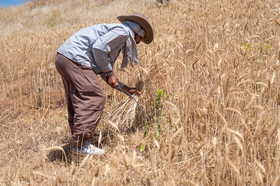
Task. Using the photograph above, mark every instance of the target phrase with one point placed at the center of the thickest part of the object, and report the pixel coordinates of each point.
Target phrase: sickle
(118, 87)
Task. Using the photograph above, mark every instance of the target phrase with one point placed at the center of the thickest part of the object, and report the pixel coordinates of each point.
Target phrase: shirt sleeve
(105, 44)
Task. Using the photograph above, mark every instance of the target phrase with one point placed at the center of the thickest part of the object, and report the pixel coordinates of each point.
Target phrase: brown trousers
(85, 98)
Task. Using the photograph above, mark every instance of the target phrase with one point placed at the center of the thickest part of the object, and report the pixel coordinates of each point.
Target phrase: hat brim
(149, 35)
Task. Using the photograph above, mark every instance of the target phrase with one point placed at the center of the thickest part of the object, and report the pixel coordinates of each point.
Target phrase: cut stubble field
(211, 96)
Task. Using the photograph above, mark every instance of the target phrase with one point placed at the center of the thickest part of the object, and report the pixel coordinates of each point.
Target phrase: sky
(4, 3)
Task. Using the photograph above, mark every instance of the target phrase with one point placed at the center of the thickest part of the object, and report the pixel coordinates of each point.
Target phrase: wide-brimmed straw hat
(141, 20)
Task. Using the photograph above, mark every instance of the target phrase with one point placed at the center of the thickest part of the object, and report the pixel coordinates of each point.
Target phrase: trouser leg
(85, 97)
(67, 88)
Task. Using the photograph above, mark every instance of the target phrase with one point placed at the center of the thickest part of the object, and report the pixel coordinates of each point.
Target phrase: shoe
(88, 148)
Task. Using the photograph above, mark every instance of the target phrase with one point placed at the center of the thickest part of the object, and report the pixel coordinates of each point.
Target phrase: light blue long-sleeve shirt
(96, 46)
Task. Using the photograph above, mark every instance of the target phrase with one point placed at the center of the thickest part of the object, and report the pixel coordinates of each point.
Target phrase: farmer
(90, 52)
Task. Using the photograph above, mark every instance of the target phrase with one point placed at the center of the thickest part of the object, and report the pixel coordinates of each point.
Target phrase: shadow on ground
(63, 154)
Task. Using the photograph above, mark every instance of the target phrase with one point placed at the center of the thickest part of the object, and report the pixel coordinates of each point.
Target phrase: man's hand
(113, 80)
(132, 90)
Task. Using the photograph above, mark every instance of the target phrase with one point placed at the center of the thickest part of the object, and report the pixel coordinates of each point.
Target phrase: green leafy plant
(153, 126)
(155, 117)
(256, 54)
(39, 102)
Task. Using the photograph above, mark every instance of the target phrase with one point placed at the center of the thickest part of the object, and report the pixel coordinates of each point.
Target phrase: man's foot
(88, 148)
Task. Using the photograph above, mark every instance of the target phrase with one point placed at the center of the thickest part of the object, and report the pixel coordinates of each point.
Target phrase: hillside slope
(211, 96)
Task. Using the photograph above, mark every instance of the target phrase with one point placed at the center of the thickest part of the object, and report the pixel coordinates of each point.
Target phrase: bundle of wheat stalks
(126, 115)
(122, 115)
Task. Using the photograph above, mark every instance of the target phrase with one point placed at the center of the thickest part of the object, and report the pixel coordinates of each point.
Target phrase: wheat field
(211, 96)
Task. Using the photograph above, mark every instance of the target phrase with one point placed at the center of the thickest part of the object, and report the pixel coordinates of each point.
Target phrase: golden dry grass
(217, 63)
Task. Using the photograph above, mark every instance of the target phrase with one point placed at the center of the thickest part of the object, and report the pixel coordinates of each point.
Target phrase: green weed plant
(153, 126)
